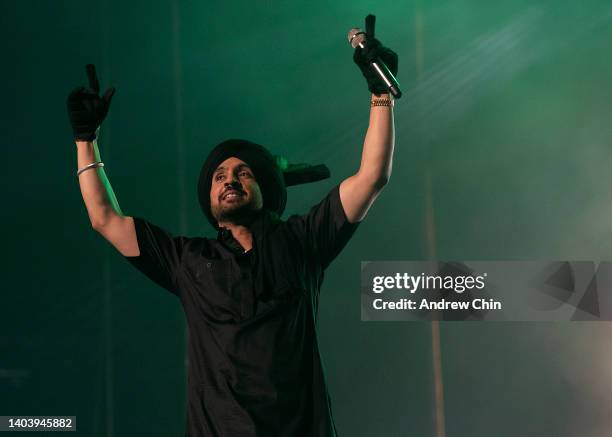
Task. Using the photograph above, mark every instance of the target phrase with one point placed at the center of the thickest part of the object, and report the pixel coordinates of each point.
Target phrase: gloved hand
(374, 49)
(86, 109)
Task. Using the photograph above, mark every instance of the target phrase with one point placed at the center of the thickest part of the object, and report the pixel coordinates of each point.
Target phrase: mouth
(231, 194)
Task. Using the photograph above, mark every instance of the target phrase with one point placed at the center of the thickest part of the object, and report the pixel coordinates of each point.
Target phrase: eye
(244, 173)
(219, 177)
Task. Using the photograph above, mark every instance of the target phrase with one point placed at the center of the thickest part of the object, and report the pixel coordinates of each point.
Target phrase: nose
(232, 181)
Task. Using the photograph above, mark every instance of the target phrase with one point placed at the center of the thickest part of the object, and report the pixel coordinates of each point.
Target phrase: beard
(238, 213)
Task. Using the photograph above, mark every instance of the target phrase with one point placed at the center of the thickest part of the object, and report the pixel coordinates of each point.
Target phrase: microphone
(299, 174)
(357, 38)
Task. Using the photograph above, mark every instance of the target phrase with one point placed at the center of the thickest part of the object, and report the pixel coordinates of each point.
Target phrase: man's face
(234, 192)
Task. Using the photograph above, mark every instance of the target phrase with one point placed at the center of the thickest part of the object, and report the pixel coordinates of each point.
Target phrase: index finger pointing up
(370, 21)
(93, 78)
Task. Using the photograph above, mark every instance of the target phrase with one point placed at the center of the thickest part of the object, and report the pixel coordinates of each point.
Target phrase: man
(250, 296)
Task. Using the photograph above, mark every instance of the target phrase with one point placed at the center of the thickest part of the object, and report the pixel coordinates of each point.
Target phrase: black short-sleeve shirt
(254, 363)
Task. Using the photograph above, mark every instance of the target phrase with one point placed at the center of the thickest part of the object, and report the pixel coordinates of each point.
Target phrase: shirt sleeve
(160, 254)
(326, 228)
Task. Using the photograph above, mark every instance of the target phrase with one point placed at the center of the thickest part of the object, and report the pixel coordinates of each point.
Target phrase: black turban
(265, 168)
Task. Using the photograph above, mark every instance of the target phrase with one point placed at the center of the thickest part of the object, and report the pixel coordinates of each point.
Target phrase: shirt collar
(225, 236)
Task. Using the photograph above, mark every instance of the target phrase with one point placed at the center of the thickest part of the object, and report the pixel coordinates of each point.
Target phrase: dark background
(503, 152)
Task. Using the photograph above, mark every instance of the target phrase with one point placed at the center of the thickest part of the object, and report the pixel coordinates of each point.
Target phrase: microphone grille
(356, 36)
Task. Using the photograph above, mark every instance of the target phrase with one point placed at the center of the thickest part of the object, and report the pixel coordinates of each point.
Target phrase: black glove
(374, 49)
(86, 109)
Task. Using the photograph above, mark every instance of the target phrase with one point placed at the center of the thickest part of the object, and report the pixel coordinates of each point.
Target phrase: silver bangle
(92, 165)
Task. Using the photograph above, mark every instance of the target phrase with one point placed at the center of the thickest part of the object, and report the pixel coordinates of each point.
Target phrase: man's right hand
(86, 109)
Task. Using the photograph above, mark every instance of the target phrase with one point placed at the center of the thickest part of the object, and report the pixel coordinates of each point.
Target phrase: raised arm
(86, 111)
(358, 192)
(102, 206)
